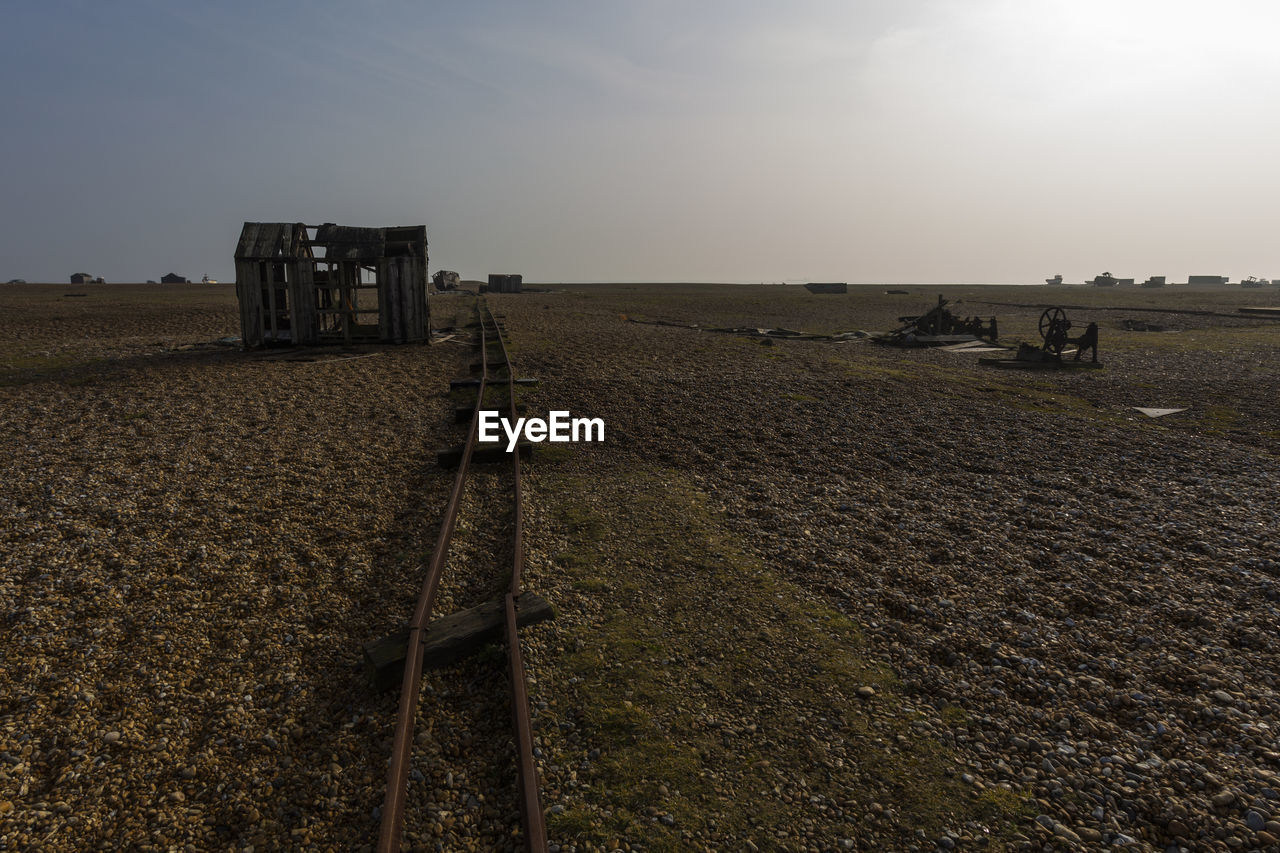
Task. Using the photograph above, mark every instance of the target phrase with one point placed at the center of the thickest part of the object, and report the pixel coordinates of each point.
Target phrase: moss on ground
(694, 636)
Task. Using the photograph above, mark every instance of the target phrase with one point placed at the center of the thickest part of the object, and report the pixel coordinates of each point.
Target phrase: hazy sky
(715, 140)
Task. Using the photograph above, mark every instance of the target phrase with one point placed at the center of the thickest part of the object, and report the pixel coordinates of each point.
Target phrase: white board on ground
(1158, 413)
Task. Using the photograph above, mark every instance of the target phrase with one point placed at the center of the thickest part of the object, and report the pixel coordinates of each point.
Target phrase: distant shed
(507, 283)
(340, 284)
(1207, 279)
(173, 278)
(827, 287)
(81, 278)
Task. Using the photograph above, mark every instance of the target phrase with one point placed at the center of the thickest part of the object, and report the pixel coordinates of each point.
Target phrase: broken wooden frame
(326, 284)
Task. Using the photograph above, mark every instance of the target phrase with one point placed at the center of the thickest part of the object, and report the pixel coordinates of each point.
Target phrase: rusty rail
(393, 810)
(535, 830)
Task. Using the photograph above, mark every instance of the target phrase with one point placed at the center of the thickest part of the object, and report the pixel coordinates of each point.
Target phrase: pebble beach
(811, 595)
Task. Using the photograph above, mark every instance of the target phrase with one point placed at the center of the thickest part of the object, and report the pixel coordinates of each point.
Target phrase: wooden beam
(455, 384)
(450, 638)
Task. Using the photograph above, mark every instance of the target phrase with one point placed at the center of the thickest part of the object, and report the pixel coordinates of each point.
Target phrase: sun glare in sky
(929, 141)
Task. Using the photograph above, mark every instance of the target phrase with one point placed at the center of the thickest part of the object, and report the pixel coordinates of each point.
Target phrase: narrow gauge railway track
(494, 372)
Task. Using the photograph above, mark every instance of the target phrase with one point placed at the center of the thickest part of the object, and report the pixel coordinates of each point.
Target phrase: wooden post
(344, 294)
(249, 293)
(269, 278)
(302, 292)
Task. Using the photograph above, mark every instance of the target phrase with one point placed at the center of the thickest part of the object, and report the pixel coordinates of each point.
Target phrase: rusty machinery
(938, 326)
(1055, 334)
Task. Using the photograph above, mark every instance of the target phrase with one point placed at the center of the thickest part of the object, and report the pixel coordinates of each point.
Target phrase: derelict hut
(506, 283)
(342, 285)
(173, 278)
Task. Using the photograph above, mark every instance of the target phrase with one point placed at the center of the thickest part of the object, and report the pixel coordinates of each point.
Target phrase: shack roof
(351, 243)
(271, 240)
(263, 240)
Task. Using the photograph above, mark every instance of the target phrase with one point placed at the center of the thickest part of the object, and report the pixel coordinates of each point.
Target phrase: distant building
(173, 278)
(1154, 281)
(1206, 279)
(81, 278)
(506, 283)
(827, 287)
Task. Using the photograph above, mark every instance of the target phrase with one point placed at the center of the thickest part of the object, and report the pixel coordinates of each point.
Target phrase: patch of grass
(1004, 805)
(1034, 395)
(694, 637)
(1210, 338)
(624, 720)
(579, 824)
(582, 522)
(23, 369)
(591, 585)
(553, 454)
(1219, 419)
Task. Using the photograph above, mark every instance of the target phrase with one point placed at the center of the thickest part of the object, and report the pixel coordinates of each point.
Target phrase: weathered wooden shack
(173, 278)
(505, 283)
(303, 284)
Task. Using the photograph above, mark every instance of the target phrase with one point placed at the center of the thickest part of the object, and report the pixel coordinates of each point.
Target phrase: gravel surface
(811, 596)
(195, 544)
(1083, 600)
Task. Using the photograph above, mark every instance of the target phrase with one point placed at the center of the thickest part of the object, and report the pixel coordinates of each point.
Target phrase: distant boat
(1253, 281)
(1057, 279)
(1104, 280)
(1154, 281)
(207, 280)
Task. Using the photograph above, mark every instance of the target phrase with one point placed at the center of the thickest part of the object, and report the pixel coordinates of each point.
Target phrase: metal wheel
(1053, 328)
(1052, 317)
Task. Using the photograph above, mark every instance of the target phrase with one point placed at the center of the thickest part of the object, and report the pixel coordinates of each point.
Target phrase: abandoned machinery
(939, 327)
(1055, 335)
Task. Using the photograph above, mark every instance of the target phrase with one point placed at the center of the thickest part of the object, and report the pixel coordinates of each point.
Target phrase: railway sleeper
(455, 384)
(450, 638)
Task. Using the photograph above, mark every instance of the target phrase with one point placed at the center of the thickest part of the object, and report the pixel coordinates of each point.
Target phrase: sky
(999, 141)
